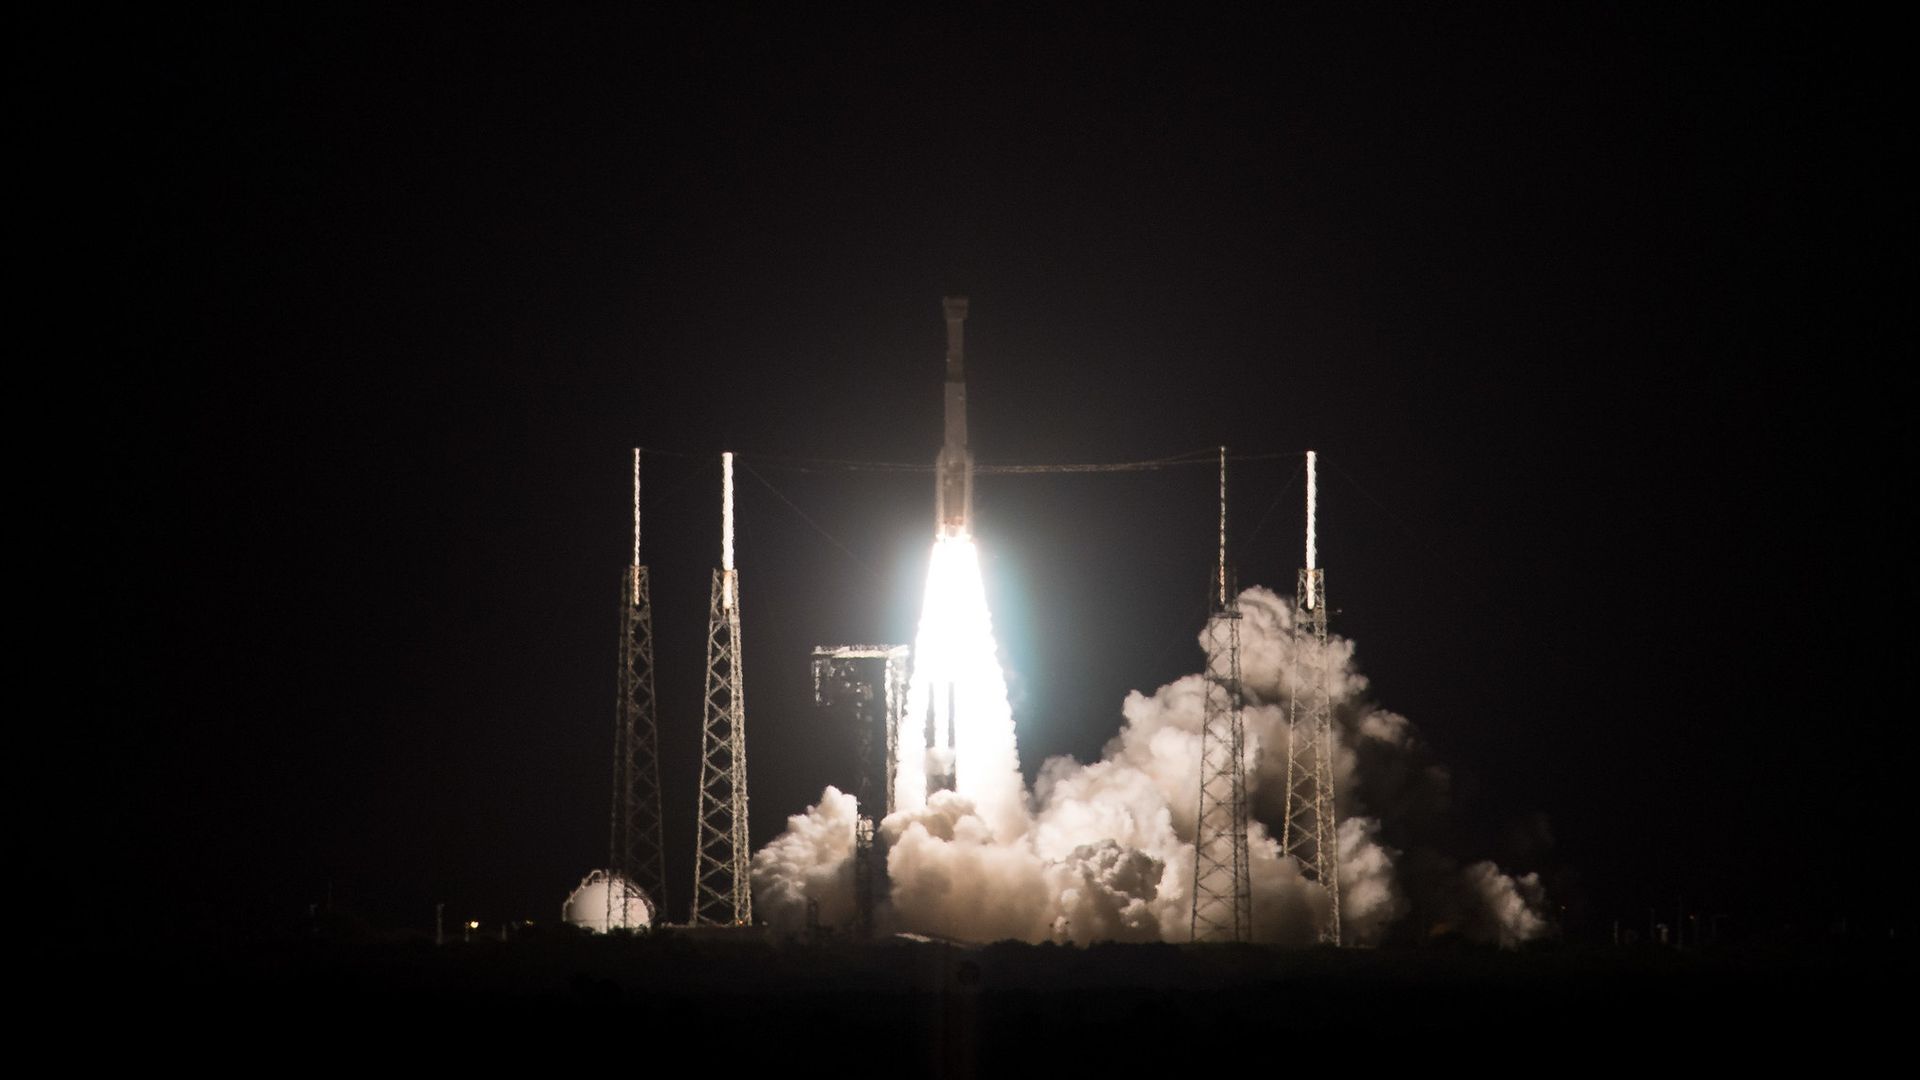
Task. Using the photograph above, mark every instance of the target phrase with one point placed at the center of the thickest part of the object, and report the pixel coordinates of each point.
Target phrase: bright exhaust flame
(957, 709)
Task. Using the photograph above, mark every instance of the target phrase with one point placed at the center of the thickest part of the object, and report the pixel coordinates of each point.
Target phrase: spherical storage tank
(605, 900)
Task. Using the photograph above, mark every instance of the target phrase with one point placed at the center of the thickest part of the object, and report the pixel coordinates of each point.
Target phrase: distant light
(473, 924)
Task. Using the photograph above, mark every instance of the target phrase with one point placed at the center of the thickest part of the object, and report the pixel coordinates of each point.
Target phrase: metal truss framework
(722, 888)
(872, 681)
(844, 675)
(1310, 833)
(865, 888)
(636, 856)
(1222, 888)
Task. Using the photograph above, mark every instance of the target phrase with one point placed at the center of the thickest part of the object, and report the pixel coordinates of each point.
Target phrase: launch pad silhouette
(912, 712)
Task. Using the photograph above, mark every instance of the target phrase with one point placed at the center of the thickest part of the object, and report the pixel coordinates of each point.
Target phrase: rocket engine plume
(957, 699)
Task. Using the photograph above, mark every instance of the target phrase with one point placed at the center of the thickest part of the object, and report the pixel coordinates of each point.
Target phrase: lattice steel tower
(1310, 833)
(722, 890)
(1222, 890)
(636, 855)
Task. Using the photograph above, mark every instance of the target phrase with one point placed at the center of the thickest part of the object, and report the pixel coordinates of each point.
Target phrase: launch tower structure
(636, 852)
(1310, 833)
(1222, 886)
(722, 889)
(870, 681)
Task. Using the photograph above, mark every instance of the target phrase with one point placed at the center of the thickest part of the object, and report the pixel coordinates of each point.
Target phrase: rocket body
(953, 469)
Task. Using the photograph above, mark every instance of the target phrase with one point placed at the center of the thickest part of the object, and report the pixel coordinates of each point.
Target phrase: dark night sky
(1582, 309)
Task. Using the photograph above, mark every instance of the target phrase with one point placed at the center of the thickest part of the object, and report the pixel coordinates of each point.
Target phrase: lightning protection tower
(1310, 833)
(1222, 889)
(722, 890)
(636, 854)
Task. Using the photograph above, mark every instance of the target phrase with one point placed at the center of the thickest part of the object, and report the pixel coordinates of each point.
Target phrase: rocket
(953, 469)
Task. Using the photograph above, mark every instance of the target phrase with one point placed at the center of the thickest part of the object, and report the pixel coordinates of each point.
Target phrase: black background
(1585, 311)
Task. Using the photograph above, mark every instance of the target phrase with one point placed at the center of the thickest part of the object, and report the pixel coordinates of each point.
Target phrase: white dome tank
(604, 900)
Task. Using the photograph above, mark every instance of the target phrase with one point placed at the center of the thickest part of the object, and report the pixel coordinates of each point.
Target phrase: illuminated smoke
(813, 858)
(1509, 907)
(1104, 851)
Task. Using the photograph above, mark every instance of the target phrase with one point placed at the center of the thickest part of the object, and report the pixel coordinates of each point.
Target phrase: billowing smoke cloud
(1508, 908)
(1105, 851)
(812, 859)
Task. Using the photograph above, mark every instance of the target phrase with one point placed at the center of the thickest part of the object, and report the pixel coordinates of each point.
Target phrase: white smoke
(951, 875)
(1508, 909)
(812, 859)
(1370, 900)
(1105, 851)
